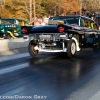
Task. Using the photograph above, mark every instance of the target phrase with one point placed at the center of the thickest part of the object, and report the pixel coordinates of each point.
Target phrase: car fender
(77, 44)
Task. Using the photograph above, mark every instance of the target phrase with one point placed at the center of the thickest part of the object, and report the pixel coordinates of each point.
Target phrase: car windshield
(6, 21)
(68, 20)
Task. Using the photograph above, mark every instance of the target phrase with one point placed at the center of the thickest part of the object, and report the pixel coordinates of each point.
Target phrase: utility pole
(34, 12)
(81, 5)
(81, 8)
(2, 3)
(30, 11)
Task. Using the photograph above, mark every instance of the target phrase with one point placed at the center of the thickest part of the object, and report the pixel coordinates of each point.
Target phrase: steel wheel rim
(73, 48)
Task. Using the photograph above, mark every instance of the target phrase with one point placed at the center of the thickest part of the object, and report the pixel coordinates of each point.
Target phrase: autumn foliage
(21, 8)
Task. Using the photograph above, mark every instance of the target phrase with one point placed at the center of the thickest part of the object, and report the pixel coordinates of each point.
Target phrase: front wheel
(71, 48)
(32, 50)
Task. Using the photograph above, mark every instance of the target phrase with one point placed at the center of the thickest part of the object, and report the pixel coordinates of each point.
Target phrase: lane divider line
(13, 68)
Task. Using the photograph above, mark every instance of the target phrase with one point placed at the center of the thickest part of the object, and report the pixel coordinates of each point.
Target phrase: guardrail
(9, 44)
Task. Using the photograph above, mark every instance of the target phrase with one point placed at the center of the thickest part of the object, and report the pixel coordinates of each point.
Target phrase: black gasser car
(64, 33)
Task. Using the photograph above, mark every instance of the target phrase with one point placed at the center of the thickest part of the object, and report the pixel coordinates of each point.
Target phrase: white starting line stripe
(13, 68)
(11, 57)
(16, 56)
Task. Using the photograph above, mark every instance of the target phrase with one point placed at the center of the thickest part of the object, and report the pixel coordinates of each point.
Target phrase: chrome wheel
(73, 48)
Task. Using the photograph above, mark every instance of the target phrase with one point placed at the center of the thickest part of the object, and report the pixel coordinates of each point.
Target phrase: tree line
(21, 8)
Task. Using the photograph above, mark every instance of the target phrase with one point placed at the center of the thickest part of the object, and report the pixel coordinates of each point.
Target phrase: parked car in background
(11, 27)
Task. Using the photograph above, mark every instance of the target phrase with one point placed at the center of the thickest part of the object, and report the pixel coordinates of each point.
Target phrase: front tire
(32, 51)
(71, 48)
